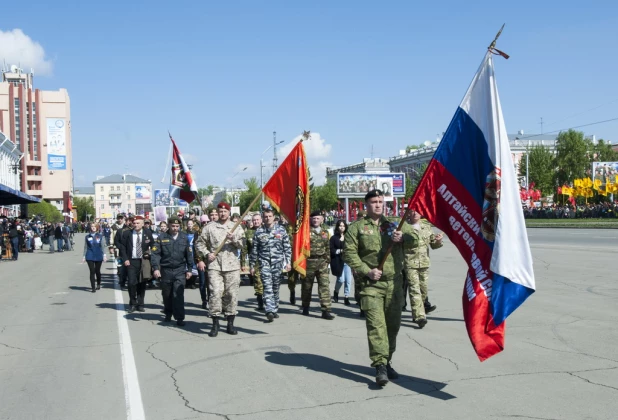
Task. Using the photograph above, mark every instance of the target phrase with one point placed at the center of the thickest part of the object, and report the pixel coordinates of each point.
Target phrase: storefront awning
(9, 196)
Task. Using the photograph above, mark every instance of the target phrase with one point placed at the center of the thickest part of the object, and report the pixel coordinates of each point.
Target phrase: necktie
(138, 246)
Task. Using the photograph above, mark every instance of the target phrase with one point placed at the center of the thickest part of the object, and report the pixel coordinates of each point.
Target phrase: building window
(102, 197)
(101, 187)
(129, 207)
(117, 187)
(128, 188)
(102, 206)
(128, 197)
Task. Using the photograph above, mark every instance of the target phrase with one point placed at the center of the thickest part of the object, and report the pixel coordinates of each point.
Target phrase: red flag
(288, 192)
(182, 185)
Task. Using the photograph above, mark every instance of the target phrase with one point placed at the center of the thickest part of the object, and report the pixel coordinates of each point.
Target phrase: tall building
(38, 122)
(122, 194)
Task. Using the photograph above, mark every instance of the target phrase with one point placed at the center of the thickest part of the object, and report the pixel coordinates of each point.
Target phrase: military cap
(236, 215)
(373, 193)
(120, 216)
(191, 212)
(174, 220)
(138, 218)
(224, 205)
(316, 213)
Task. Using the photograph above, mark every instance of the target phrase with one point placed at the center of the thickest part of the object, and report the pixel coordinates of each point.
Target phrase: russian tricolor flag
(470, 192)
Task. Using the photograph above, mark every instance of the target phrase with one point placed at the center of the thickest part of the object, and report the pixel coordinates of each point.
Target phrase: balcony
(115, 201)
(36, 193)
(34, 177)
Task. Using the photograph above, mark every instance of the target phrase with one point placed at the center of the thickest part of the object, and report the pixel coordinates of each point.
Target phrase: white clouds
(318, 155)
(19, 49)
(190, 159)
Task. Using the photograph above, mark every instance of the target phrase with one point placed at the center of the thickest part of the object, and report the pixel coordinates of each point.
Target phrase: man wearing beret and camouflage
(172, 260)
(223, 268)
(418, 238)
(317, 267)
(366, 243)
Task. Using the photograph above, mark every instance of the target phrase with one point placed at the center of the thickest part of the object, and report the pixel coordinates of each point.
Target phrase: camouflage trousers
(293, 277)
(258, 286)
(417, 283)
(316, 269)
(271, 280)
(223, 286)
(382, 301)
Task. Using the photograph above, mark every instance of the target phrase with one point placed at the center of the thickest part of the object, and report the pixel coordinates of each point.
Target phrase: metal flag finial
(306, 135)
(492, 47)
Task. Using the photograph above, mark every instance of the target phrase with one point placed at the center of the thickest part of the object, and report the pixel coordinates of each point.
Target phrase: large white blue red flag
(470, 191)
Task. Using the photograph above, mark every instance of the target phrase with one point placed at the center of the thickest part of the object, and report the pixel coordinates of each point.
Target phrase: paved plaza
(66, 353)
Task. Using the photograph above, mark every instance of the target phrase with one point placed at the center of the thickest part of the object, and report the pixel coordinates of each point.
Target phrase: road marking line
(132, 393)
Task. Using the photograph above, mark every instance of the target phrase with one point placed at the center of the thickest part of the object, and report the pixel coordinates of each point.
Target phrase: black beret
(174, 220)
(373, 193)
(316, 213)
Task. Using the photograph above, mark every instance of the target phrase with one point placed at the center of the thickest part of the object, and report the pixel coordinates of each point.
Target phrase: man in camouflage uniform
(258, 287)
(271, 254)
(418, 238)
(366, 242)
(358, 278)
(223, 268)
(317, 267)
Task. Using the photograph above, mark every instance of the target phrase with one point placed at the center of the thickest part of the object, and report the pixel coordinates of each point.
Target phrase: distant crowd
(568, 211)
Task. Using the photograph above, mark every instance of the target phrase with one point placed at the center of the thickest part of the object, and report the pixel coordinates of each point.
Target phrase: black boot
(346, 302)
(215, 327)
(336, 297)
(293, 297)
(260, 302)
(362, 313)
(327, 315)
(429, 307)
(381, 375)
(204, 304)
(306, 310)
(230, 325)
(390, 372)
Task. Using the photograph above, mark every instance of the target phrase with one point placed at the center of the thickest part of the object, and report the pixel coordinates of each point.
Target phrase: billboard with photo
(605, 171)
(143, 194)
(162, 198)
(356, 185)
(56, 144)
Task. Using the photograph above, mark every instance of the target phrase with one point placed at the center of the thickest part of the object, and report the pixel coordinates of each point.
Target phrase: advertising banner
(604, 171)
(142, 194)
(56, 144)
(356, 185)
(162, 198)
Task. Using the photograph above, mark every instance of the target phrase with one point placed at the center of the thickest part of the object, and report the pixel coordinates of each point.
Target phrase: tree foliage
(542, 169)
(412, 180)
(45, 211)
(85, 207)
(572, 158)
(603, 152)
(324, 197)
(246, 197)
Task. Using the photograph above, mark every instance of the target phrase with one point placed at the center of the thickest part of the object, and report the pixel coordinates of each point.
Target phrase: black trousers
(173, 283)
(137, 289)
(95, 271)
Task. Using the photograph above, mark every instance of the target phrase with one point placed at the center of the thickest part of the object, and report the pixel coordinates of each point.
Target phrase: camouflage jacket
(209, 240)
(272, 245)
(320, 244)
(366, 243)
(417, 243)
(246, 250)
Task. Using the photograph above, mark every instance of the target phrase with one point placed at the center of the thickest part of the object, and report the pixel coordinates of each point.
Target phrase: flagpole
(167, 164)
(257, 197)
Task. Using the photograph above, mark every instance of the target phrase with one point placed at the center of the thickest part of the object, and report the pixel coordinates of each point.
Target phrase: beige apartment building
(122, 194)
(39, 123)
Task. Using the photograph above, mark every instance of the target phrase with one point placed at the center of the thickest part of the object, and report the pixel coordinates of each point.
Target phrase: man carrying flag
(182, 185)
(470, 191)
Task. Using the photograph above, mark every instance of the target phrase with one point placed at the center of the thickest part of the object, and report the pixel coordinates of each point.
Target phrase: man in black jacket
(58, 236)
(135, 252)
(122, 227)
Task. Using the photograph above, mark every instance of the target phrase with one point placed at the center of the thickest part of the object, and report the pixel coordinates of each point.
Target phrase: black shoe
(381, 375)
(346, 302)
(141, 309)
(214, 331)
(336, 297)
(168, 318)
(429, 307)
(131, 309)
(180, 323)
(230, 325)
(421, 322)
(306, 310)
(270, 316)
(94, 291)
(390, 372)
(403, 308)
(260, 302)
(327, 315)
(276, 315)
(98, 286)
(362, 313)
(293, 297)
(204, 304)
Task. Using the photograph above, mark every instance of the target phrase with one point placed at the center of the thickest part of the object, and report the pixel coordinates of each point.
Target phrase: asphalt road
(66, 353)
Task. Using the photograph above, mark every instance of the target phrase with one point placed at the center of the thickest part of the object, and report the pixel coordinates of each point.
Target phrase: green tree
(246, 197)
(412, 180)
(85, 207)
(603, 152)
(542, 169)
(206, 191)
(572, 158)
(324, 197)
(45, 211)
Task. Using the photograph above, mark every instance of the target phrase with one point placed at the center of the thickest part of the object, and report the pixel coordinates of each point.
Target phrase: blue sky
(221, 76)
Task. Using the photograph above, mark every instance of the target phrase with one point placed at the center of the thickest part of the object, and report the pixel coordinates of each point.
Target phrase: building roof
(84, 190)
(119, 179)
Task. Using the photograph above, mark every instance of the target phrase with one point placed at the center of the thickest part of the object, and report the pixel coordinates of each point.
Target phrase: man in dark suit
(134, 249)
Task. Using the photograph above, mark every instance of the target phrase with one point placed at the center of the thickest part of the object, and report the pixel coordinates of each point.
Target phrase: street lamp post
(262, 168)
(232, 179)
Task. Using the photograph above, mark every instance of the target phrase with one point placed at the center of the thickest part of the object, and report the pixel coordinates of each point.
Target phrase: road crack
(572, 352)
(432, 352)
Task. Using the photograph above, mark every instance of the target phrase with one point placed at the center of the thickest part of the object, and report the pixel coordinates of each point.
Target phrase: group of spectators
(568, 211)
(21, 235)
